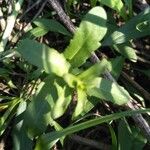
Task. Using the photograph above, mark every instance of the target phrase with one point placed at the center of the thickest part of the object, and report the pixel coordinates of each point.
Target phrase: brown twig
(62, 15)
(139, 120)
(144, 93)
(89, 142)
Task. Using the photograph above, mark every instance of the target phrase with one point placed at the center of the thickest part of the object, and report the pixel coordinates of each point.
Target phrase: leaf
(58, 128)
(129, 4)
(63, 100)
(129, 30)
(8, 115)
(143, 26)
(3, 72)
(115, 66)
(108, 90)
(51, 25)
(113, 138)
(36, 32)
(93, 2)
(126, 51)
(81, 103)
(43, 57)
(37, 114)
(116, 5)
(86, 39)
(132, 136)
(73, 81)
(20, 139)
(94, 71)
(44, 141)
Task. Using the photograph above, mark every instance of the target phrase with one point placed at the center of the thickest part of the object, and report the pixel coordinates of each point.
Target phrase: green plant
(55, 80)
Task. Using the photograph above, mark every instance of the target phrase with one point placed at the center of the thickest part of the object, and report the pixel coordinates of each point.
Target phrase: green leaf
(63, 100)
(113, 138)
(3, 72)
(94, 71)
(37, 115)
(81, 103)
(132, 136)
(108, 90)
(36, 32)
(51, 25)
(93, 2)
(20, 139)
(131, 29)
(129, 4)
(115, 66)
(44, 141)
(86, 39)
(116, 5)
(8, 115)
(73, 81)
(43, 57)
(126, 51)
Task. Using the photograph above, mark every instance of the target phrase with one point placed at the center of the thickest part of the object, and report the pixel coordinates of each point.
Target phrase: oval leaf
(51, 25)
(43, 57)
(86, 39)
(108, 90)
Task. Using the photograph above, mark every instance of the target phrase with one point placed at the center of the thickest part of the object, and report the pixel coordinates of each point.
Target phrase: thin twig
(62, 15)
(139, 120)
(143, 60)
(145, 94)
(89, 142)
(40, 10)
(31, 7)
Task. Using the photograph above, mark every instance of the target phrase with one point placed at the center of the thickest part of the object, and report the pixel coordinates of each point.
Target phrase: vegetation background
(74, 74)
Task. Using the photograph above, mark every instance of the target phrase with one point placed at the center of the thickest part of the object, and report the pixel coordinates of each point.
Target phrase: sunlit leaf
(107, 90)
(126, 51)
(63, 100)
(86, 39)
(116, 5)
(81, 102)
(43, 57)
(94, 71)
(36, 32)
